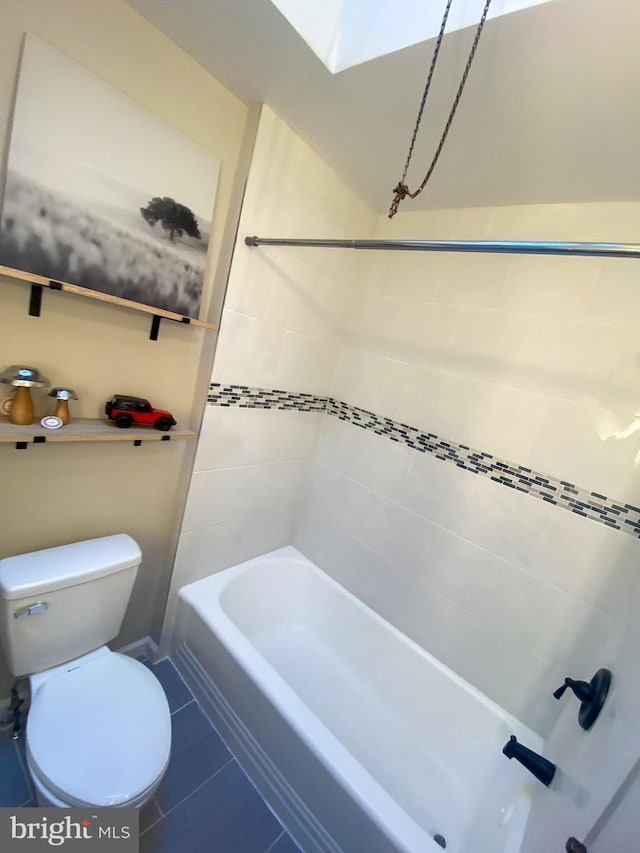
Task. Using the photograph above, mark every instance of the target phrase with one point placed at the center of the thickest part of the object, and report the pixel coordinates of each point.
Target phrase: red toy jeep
(127, 410)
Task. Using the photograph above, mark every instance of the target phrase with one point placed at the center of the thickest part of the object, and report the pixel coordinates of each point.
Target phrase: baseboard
(145, 647)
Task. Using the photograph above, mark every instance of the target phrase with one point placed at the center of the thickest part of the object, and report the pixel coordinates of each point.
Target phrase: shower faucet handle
(592, 695)
(582, 689)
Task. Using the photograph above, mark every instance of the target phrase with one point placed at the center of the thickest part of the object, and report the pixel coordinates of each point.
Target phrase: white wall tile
(421, 332)
(615, 297)
(224, 494)
(402, 275)
(620, 391)
(433, 400)
(615, 222)
(249, 289)
(535, 222)
(512, 601)
(362, 455)
(491, 661)
(569, 359)
(451, 548)
(210, 549)
(514, 678)
(486, 345)
(307, 364)
(473, 281)
(373, 321)
(249, 351)
(551, 286)
(592, 562)
(501, 420)
(506, 522)
(234, 437)
(303, 298)
(278, 436)
(579, 443)
(221, 426)
(368, 381)
(438, 491)
(412, 331)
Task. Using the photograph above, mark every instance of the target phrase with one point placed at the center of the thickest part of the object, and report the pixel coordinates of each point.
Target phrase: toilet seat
(100, 734)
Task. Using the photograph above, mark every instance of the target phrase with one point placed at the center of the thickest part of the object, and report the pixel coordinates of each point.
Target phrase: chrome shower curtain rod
(513, 247)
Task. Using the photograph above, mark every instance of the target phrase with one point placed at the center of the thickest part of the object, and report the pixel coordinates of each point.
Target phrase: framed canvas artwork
(102, 193)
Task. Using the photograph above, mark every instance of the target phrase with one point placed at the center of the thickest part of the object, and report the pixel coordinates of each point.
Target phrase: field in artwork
(106, 249)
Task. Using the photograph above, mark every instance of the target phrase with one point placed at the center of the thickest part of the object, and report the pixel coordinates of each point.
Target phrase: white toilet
(99, 726)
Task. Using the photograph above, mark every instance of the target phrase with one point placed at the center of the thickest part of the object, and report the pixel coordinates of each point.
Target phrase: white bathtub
(358, 739)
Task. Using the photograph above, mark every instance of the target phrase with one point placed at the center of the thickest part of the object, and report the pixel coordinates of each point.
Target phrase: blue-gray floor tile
(188, 726)
(177, 692)
(148, 815)
(225, 815)
(257, 839)
(189, 768)
(284, 844)
(14, 788)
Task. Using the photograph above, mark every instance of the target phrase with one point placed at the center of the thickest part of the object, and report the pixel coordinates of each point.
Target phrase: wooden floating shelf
(87, 429)
(41, 281)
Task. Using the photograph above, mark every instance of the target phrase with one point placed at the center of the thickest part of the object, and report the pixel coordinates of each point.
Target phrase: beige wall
(55, 494)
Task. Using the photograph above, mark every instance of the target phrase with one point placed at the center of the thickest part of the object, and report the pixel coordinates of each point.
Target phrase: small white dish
(51, 422)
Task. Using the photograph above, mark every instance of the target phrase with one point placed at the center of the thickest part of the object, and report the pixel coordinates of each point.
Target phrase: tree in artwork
(174, 217)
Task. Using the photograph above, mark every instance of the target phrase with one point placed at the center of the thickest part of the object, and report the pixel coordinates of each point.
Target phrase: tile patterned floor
(204, 804)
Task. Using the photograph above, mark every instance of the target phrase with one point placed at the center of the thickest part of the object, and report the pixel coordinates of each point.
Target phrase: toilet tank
(60, 603)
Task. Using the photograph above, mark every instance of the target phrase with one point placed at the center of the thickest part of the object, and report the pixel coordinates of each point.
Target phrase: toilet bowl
(98, 732)
(99, 727)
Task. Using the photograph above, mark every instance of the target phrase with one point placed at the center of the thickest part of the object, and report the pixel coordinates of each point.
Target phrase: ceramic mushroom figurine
(23, 379)
(63, 395)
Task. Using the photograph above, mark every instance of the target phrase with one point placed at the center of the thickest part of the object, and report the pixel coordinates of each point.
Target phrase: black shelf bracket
(166, 438)
(155, 324)
(35, 308)
(39, 439)
(155, 328)
(21, 445)
(35, 300)
(137, 442)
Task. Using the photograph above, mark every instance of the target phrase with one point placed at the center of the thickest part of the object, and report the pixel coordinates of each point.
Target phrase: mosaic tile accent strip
(593, 505)
(263, 398)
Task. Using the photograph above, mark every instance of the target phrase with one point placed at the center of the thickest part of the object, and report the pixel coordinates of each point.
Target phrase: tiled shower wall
(532, 360)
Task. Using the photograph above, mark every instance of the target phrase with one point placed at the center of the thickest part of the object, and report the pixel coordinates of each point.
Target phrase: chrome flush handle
(31, 610)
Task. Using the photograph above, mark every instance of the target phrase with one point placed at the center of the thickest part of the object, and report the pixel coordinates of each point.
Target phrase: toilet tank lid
(66, 565)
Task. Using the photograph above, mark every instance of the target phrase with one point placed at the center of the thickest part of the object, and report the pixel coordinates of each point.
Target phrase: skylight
(343, 33)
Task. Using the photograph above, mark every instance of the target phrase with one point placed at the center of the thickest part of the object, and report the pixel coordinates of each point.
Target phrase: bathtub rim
(217, 581)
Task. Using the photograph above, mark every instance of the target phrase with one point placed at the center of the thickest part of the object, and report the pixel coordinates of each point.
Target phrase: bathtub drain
(440, 839)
